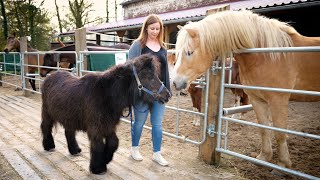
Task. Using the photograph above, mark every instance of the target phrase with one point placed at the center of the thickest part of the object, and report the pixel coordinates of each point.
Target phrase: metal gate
(223, 119)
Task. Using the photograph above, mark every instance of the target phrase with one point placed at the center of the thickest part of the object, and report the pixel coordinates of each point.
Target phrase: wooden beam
(98, 39)
(81, 45)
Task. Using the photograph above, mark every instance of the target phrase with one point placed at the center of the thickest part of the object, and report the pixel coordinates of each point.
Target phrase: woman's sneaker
(159, 159)
(135, 154)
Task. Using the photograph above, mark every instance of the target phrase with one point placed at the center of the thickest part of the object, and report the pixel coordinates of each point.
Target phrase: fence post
(23, 48)
(81, 45)
(207, 150)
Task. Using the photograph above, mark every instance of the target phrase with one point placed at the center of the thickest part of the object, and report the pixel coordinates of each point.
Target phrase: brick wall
(140, 8)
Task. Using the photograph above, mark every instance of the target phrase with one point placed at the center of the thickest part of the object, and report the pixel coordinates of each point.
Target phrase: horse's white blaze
(178, 80)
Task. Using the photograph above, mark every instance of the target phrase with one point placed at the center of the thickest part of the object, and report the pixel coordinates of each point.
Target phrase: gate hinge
(215, 67)
(211, 129)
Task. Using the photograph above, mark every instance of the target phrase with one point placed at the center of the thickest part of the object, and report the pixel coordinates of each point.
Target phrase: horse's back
(59, 82)
(61, 97)
(297, 70)
(307, 65)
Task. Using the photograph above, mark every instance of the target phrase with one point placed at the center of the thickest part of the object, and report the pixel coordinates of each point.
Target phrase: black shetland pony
(95, 102)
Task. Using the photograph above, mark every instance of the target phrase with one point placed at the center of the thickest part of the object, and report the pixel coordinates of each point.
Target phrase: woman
(150, 41)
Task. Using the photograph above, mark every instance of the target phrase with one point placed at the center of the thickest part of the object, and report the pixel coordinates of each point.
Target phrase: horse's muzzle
(6, 50)
(179, 85)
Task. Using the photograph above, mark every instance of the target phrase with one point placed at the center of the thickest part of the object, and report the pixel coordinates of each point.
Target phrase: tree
(79, 12)
(4, 21)
(107, 10)
(115, 10)
(26, 19)
(58, 16)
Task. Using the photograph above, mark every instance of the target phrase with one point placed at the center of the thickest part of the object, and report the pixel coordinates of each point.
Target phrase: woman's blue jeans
(141, 111)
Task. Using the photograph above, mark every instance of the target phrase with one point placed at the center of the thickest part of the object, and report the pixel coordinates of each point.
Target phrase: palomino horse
(216, 35)
(13, 43)
(241, 98)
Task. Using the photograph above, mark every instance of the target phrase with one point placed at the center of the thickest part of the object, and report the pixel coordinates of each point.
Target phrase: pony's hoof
(75, 152)
(49, 147)
(50, 150)
(99, 171)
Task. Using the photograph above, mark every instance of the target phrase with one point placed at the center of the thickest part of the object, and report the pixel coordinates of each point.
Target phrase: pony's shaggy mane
(228, 31)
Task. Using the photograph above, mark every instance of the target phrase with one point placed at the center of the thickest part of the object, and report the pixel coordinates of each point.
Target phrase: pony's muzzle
(164, 96)
(6, 50)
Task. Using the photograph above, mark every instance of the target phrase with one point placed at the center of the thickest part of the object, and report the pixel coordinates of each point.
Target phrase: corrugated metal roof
(193, 13)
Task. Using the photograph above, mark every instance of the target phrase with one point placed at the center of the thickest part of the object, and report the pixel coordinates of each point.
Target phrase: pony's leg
(46, 129)
(72, 142)
(279, 113)
(112, 143)
(97, 154)
(261, 109)
(33, 83)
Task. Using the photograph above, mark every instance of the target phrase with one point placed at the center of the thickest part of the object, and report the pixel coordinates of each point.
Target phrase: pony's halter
(141, 87)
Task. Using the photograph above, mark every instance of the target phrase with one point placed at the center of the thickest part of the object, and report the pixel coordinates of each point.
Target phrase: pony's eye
(189, 53)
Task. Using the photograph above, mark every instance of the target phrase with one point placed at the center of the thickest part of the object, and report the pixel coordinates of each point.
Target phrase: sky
(98, 10)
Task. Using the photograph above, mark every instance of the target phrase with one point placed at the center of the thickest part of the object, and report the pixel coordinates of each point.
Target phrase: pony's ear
(192, 32)
(179, 27)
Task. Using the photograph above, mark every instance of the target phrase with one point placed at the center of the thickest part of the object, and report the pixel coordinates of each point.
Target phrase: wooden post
(23, 48)
(81, 45)
(207, 150)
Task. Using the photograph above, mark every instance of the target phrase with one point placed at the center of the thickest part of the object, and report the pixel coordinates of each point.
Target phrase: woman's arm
(135, 50)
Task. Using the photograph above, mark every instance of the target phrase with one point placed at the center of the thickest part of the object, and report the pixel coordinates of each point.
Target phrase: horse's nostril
(184, 86)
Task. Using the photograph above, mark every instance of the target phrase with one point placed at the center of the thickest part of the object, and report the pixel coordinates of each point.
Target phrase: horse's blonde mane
(229, 31)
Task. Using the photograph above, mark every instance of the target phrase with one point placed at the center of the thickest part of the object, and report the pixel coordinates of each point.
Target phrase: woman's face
(153, 30)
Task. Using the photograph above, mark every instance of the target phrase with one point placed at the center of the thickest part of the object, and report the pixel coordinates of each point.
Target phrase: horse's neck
(30, 49)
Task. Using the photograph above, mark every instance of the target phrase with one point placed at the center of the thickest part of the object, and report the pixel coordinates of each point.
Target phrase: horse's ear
(179, 27)
(192, 32)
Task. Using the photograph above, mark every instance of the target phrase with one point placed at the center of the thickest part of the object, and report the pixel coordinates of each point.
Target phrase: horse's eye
(189, 53)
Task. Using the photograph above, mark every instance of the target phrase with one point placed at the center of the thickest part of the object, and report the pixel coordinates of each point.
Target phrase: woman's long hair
(151, 19)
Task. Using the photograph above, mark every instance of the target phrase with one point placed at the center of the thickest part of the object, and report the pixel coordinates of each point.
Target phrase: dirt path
(22, 155)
